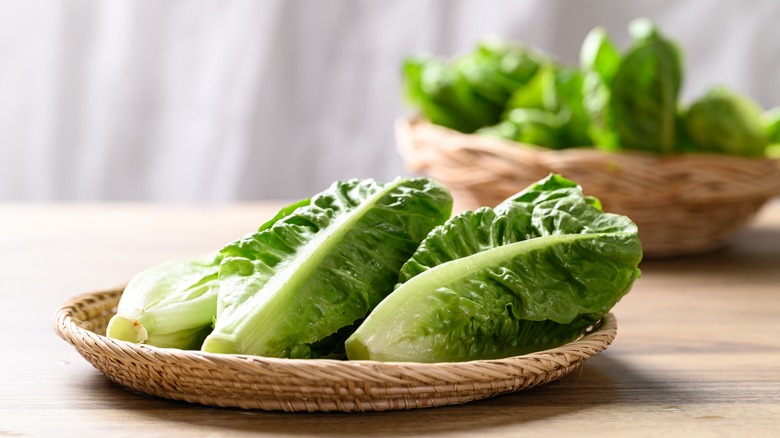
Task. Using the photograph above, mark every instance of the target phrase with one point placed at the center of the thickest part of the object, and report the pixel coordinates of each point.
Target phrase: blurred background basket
(684, 204)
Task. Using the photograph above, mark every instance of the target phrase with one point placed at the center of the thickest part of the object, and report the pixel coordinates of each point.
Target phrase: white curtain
(221, 100)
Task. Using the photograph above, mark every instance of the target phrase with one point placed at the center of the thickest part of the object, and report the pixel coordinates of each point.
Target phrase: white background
(215, 101)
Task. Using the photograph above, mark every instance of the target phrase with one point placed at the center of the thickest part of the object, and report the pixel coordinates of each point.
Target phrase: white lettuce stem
(126, 329)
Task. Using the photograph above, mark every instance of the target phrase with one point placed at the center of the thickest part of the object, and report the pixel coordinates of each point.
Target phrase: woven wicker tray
(253, 382)
(682, 204)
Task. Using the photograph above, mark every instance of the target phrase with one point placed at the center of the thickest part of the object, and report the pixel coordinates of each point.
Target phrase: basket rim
(66, 325)
(408, 123)
(479, 167)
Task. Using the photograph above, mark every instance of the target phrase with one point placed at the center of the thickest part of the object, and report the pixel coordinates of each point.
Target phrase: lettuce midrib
(459, 269)
(280, 289)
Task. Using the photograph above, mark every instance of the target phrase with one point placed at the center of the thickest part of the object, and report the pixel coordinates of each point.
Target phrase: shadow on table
(602, 381)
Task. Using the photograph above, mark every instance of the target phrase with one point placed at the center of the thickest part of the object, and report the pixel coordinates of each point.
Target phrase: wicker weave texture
(253, 382)
(683, 204)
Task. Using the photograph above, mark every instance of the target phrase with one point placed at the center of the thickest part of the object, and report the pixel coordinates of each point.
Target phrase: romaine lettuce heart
(296, 289)
(531, 274)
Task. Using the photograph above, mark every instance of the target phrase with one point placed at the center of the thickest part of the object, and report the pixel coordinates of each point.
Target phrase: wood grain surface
(697, 351)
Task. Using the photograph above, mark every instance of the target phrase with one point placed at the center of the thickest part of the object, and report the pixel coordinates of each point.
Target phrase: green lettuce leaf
(496, 68)
(444, 96)
(644, 91)
(531, 274)
(469, 91)
(546, 111)
(297, 288)
(599, 60)
(771, 124)
(723, 121)
(529, 126)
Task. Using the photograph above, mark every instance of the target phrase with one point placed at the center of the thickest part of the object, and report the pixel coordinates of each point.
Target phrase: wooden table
(697, 351)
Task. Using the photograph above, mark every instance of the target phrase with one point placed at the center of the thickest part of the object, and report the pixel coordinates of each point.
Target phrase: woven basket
(253, 382)
(682, 204)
